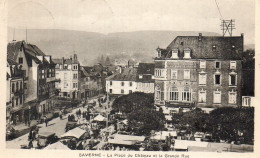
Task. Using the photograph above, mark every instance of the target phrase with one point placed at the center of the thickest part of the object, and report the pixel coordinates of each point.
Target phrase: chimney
(200, 36)
(242, 35)
(62, 60)
(75, 57)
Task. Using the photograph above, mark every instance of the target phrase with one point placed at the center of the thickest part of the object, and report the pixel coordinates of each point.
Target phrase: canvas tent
(163, 134)
(57, 145)
(125, 139)
(99, 118)
(185, 144)
(76, 132)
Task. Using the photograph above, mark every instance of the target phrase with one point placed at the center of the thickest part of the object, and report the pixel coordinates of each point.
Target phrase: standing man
(46, 120)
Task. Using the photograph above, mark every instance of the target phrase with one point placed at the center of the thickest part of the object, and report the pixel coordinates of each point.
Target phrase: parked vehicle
(71, 125)
(46, 138)
(10, 132)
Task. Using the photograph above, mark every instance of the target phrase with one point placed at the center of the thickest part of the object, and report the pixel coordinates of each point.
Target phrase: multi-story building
(68, 71)
(202, 71)
(145, 78)
(129, 80)
(123, 82)
(39, 78)
(15, 92)
(91, 81)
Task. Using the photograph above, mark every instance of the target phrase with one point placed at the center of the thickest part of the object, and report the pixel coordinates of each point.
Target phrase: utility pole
(227, 26)
(26, 34)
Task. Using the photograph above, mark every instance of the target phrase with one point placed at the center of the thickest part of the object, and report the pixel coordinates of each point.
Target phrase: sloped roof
(66, 61)
(225, 47)
(99, 118)
(57, 145)
(30, 51)
(146, 68)
(11, 61)
(13, 49)
(76, 132)
(127, 74)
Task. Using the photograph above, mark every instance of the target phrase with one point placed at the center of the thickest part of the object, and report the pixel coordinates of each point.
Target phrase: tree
(102, 60)
(107, 62)
(142, 121)
(248, 75)
(228, 123)
(192, 121)
(133, 101)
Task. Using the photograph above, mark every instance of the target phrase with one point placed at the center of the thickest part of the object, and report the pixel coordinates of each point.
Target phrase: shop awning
(76, 132)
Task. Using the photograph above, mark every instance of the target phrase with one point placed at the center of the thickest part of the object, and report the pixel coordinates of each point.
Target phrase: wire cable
(218, 9)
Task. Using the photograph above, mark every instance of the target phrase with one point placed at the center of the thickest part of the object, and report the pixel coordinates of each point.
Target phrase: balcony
(52, 79)
(18, 93)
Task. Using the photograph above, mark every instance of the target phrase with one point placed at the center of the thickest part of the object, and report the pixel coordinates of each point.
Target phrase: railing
(52, 79)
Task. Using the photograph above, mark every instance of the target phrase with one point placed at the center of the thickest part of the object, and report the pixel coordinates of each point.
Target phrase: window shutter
(193, 75)
(180, 74)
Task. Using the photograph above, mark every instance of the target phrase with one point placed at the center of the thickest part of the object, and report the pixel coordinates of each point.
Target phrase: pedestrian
(46, 120)
(68, 117)
(72, 117)
(30, 144)
(79, 113)
(60, 115)
(30, 135)
(33, 135)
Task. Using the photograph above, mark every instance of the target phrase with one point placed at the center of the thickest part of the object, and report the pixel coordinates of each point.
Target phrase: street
(55, 125)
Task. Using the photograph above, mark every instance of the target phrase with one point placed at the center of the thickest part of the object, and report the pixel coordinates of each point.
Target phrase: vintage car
(46, 138)
(71, 125)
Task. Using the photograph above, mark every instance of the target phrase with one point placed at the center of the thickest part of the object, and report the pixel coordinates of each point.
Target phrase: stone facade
(188, 73)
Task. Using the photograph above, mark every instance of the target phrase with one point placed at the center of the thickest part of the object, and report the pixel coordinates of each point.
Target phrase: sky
(107, 16)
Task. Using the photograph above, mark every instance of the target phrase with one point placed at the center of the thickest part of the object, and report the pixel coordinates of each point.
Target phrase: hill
(139, 45)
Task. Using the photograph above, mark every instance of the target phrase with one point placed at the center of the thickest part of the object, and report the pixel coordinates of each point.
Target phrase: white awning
(76, 132)
(162, 135)
(57, 145)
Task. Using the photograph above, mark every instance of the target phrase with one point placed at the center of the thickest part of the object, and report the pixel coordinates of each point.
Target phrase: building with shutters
(123, 82)
(202, 71)
(68, 71)
(37, 87)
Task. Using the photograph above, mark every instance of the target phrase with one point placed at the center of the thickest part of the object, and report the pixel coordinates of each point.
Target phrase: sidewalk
(23, 129)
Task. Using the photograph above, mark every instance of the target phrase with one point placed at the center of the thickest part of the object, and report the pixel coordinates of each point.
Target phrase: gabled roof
(127, 74)
(202, 47)
(30, 51)
(11, 61)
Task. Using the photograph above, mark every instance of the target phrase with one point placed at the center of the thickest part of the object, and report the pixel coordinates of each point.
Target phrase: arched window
(186, 94)
(174, 94)
(157, 93)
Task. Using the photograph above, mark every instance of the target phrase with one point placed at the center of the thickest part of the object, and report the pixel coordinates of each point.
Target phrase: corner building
(201, 71)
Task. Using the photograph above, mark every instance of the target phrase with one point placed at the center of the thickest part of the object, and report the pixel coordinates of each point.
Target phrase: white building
(68, 71)
(123, 82)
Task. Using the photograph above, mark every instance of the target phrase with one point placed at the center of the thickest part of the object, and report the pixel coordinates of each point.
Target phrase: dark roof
(66, 61)
(127, 74)
(11, 61)
(145, 68)
(13, 49)
(30, 51)
(225, 47)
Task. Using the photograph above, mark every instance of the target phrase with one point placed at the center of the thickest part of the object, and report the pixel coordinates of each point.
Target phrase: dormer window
(187, 52)
(175, 53)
